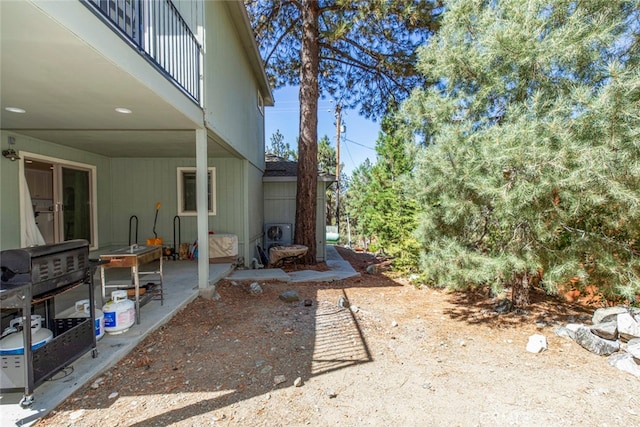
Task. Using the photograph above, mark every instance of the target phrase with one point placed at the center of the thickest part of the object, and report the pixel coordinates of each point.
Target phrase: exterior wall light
(10, 153)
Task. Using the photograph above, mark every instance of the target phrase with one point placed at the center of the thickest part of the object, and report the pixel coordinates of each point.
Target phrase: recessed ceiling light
(16, 110)
(123, 110)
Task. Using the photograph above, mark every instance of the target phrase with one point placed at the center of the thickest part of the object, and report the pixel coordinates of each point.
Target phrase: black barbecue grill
(30, 279)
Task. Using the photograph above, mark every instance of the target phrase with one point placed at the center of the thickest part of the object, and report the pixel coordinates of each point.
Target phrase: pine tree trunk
(520, 290)
(307, 188)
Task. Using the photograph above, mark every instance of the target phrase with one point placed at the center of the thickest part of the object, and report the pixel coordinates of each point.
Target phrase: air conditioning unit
(277, 234)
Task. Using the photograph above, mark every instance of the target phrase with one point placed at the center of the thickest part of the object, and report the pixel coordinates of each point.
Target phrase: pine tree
(280, 148)
(361, 53)
(528, 166)
(380, 201)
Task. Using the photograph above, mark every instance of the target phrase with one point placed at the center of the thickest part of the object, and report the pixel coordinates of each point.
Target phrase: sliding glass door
(63, 198)
(75, 203)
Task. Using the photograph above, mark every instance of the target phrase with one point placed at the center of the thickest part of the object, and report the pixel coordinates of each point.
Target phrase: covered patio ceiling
(70, 92)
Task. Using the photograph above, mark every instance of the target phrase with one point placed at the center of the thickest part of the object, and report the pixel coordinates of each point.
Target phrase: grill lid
(38, 263)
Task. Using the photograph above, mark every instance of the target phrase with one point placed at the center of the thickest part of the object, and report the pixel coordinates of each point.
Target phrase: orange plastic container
(154, 241)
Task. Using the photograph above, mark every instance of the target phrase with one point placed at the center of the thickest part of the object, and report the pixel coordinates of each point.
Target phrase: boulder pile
(615, 332)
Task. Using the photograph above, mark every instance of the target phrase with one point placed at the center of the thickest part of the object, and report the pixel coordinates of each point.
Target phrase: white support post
(202, 188)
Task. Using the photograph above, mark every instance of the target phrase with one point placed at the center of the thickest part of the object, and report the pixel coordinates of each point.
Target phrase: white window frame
(260, 103)
(181, 171)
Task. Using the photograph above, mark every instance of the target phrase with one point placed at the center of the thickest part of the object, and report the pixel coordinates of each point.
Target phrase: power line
(361, 145)
(349, 153)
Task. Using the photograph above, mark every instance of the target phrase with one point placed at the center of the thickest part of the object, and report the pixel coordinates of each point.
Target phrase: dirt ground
(401, 356)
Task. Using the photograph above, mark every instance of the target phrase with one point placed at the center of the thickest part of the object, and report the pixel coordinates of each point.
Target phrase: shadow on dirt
(213, 354)
(478, 307)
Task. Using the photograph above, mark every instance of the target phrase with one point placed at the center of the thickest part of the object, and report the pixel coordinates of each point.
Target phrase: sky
(356, 144)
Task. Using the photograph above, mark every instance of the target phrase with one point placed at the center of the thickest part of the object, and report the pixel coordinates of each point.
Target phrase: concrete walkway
(340, 269)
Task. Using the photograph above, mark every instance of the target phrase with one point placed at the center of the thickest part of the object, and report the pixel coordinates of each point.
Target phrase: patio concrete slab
(260, 274)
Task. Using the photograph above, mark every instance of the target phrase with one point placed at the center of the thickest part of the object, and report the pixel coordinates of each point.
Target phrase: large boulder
(626, 362)
(633, 348)
(606, 330)
(607, 314)
(568, 331)
(628, 327)
(594, 343)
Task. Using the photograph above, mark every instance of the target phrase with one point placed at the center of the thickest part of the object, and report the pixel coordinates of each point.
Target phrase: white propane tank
(119, 313)
(12, 341)
(82, 310)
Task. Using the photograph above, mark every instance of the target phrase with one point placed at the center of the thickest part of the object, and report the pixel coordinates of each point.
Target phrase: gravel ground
(399, 356)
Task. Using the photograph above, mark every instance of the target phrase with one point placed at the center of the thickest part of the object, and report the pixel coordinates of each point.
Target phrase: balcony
(157, 30)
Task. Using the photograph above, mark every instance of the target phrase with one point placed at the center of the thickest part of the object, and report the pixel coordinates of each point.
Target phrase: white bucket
(82, 310)
(119, 313)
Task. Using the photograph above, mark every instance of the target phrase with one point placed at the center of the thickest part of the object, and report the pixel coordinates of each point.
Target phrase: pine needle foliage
(530, 162)
(379, 200)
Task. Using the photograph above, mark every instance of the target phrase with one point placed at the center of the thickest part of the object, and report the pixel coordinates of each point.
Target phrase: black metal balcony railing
(158, 31)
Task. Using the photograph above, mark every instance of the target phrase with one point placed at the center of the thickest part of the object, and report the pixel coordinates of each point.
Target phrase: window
(260, 103)
(187, 191)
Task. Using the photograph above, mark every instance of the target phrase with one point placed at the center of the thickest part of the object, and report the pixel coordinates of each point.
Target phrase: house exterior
(280, 188)
(142, 115)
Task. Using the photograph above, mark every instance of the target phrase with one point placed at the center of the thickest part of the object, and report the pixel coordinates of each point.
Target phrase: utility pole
(338, 127)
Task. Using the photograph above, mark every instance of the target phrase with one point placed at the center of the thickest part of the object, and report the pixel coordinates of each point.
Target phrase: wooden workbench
(133, 257)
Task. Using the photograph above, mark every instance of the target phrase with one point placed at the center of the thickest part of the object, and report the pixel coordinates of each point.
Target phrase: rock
(354, 308)
(394, 324)
(308, 303)
(298, 382)
(564, 332)
(266, 369)
(568, 331)
(634, 349)
(114, 395)
(279, 379)
(594, 343)
(373, 269)
(628, 328)
(332, 394)
(625, 362)
(255, 289)
(343, 302)
(97, 383)
(76, 414)
(537, 343)
(503, 306)
(289, 296)
(606, 330)
(607, 314)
